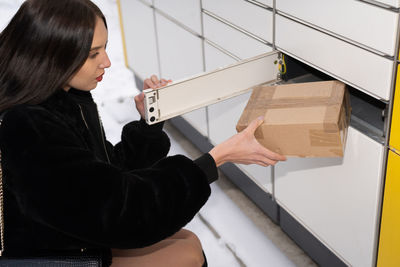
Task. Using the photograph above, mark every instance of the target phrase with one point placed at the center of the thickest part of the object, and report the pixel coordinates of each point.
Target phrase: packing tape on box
(324, 103)
(263, 98)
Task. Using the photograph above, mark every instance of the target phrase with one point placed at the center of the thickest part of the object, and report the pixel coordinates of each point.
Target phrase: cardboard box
(302, 120)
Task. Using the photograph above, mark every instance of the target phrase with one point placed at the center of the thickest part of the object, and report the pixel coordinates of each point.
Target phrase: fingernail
(261, 118)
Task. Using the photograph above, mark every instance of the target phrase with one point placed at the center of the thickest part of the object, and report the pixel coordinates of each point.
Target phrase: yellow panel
(389, 241)
(121, 23)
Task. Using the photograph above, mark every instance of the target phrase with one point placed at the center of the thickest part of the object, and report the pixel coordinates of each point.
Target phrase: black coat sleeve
(141, 145)
(58, 183)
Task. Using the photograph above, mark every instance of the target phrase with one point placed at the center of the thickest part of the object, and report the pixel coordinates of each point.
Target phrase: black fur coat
(60, 195)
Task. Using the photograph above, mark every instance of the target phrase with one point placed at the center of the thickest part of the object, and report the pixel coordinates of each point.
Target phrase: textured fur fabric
(60, 196)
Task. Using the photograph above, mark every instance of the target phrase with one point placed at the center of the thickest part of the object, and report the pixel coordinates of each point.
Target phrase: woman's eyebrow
(95, 48)
(98, 47)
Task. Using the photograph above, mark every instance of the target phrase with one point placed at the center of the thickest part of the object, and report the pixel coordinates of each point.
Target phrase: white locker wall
(186, 12)
(181, 56)
(243, 14)
(355, 66)
(140, 38)
(234, 41)
(337, 199)
(358, 21)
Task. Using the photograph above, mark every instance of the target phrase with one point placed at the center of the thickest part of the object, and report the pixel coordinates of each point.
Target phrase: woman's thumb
(139, 97)
(255, 124)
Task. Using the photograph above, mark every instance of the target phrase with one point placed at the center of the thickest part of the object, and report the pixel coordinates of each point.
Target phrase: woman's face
(92, 70)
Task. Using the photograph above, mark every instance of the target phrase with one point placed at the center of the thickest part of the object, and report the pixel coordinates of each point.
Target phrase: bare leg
(182, 249)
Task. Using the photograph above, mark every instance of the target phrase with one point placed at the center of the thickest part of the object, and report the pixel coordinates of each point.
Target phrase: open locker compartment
(368, 114)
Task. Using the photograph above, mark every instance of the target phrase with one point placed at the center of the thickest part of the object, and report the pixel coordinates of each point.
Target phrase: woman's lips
(100, 78)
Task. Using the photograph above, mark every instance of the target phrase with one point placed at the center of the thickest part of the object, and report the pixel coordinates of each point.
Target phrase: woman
(67, 190)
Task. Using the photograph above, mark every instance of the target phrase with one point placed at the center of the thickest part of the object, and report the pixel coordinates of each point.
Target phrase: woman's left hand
(243, 148)
(154, 83)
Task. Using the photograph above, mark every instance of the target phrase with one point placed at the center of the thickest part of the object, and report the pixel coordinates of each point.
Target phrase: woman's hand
(154, 83)
(245, 149)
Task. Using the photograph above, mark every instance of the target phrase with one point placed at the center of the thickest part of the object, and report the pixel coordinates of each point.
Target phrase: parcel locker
(330, 207)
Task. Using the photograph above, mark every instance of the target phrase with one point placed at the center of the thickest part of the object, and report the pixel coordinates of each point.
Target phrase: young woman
(67, 191)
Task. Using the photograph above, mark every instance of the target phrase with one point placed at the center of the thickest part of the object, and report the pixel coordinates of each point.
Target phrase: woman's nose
(105, 63)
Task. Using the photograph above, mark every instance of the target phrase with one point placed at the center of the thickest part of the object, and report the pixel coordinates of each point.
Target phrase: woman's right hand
(243, 148)
(154, 83)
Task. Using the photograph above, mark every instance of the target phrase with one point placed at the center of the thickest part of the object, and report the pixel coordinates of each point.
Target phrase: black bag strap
(1, 200)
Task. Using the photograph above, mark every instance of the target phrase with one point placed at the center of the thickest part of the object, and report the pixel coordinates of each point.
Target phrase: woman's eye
(94, 55)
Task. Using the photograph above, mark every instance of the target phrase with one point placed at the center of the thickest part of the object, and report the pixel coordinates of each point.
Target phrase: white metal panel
(181, 56)
(353, 65)
(250, 17)
(209, 88)
(187, 12)
(198, 119)
(180, 51)
(337, 199)
(223, 117)
(140, 37)
(394, 3)
(232, 40)
(358, 21)
(269, 3)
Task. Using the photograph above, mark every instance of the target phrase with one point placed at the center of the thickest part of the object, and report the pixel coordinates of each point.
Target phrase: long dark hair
(45, 43)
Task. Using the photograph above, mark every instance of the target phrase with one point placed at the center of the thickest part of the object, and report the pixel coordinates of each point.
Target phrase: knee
(191, 237)
(194, 256)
